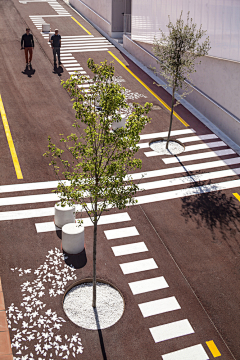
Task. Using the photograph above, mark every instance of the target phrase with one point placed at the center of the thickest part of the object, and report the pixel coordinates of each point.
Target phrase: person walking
(56, 44)
(27, 40)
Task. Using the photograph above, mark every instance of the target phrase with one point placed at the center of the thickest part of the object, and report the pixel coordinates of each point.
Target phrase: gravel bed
(78, 306)
(174, 148)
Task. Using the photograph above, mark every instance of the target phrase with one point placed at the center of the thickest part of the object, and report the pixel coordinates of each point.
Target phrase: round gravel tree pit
(77, 305)
(175, 147)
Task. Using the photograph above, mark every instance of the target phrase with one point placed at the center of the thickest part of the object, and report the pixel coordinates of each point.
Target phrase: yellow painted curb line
(212, 347)
(237, 196)
(146, 87)
(10, 141)
(81, 25)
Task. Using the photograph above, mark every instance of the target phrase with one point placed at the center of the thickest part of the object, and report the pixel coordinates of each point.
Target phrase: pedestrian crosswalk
(170, 304)
(70, 44)
(127, 235)
(183, 174)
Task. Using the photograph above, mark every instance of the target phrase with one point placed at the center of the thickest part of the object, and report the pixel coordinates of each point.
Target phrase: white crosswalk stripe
(152, 284)
(171, 330)
(137, 266)
(121, 233)
(104, 220)
(159, 306)
(192, 148)
(128, 249)
(195, 352)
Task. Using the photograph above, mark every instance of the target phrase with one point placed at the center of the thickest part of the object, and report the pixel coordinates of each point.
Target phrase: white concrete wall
(221, 19)
(219, 79)
(99, 12)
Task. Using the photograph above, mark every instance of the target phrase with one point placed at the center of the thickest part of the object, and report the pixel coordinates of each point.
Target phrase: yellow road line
(237, 196)
(81, 25)
(10, 141)
(212, 347)
(146, 87)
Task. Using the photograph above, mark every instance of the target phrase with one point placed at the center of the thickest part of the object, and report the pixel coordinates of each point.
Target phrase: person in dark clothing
(56, 44)
(28, 47)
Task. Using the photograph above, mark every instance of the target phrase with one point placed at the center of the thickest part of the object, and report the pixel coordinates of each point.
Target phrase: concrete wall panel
(99, 12)
(217, 78)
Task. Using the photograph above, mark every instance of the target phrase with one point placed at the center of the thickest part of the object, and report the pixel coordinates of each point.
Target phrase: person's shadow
(58, 70)
(29, 72)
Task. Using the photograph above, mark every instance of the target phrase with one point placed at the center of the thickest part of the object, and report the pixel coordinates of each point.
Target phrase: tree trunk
(94, 261)
(171, 118)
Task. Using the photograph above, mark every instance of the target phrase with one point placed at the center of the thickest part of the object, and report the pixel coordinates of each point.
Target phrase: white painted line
(197, 138)
(104, 219)
(84, 41)
(88, 47)
(73, 65)
(205, 146)
(137, 266)
(29, 186)
(80, 43)
(171, 330)
(188, 179)
(195, 352)
(46, 227)
(183, 169)
(165, 133)
(86, 50)
(79, 72)
(192, 148)
(64, 55)
(26, 214)
(160, 306)
(143, 286)
(128, 249)
(68, 61)
(29, 199)
(121, 233)
(74, 68)
(78, 36)
(43, 16)
(204, 189)
(205, 155)
(68, 58)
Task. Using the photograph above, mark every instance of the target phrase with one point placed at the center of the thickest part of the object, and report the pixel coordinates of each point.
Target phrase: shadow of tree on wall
(216, 211)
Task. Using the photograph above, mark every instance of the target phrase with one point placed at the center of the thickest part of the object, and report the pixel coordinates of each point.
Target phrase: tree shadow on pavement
(214, 210)
(29, 72)
(100, 334)
(58, 70)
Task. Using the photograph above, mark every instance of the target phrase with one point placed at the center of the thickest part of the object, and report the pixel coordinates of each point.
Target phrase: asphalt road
(187, 226)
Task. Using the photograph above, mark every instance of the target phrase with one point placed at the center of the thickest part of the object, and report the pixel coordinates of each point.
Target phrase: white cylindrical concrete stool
(64, 215)
(73, 238)
(45, 27)
(116, 125)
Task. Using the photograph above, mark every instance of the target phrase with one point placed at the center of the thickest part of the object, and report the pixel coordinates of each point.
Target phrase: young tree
(98, 159)
(177, 53)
